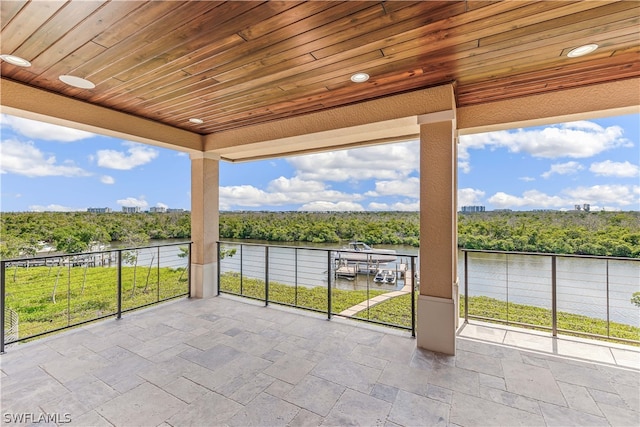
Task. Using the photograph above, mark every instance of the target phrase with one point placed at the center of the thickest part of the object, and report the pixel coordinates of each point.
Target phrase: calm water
(582, 283)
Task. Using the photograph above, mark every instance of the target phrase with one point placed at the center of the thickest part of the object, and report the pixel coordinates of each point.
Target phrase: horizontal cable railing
(328, 281)
(45, 294)
(573, 294)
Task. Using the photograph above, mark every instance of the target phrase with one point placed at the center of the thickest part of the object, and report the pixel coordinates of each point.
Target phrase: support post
(438, 299)
(205, 220)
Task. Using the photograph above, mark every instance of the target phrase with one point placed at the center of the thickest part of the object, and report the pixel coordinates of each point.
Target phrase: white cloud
(526, 178)
(613, 196)
(406, 206)
(575, 140)
(43, 131)
(282, 191)
(331, 206)
(386, 162)
(136, 155)
(567, 168)
(294, 185)
(133, 202)
(533, 199)
(54, 208)
(106, 179)
(618, 169)
(409, 187)
(161, 205)
(470, 197)
(24, 158)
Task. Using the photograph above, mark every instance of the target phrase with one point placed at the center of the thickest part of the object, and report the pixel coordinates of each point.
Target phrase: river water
(597, 288)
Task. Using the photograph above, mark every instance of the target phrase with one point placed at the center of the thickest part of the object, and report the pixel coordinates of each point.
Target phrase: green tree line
(589, 233)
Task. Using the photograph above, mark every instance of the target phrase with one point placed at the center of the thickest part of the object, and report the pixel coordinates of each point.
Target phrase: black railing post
(3, 266)
(466, 287)
(119, 313)
(295, 255)
(554, 302)
(69, 292)
(608, 320)
(189, 270)
(329, 285)
(413, 296)
(158, 269)
(241, 275)
(266, 275)
(218, 259)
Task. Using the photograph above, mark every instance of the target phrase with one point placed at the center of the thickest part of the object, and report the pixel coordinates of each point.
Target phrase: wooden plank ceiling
(239, 63)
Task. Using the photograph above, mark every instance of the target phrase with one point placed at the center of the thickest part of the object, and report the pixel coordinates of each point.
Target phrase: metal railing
(321, 280)
(55, 292)
(572, 294)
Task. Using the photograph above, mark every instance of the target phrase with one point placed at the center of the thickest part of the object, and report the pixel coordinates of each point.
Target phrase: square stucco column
(205, 220)
(438, 300)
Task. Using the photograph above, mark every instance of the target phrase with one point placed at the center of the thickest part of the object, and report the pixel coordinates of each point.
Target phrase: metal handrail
(116, 312)
(554, 311)
(263, 274)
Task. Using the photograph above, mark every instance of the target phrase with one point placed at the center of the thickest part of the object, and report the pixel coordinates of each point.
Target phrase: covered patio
(223, 361)
(238, 81)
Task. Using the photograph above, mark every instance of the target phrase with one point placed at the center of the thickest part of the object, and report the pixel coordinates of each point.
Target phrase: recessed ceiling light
(196, 121)
(15, 60)
(78, 82)
(582, 50)
(360, 77)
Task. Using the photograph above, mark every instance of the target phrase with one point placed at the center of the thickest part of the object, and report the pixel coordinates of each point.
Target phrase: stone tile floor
(222, 361)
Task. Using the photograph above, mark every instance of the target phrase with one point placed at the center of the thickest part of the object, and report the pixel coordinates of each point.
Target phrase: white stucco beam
(584, 103)
(36, 104)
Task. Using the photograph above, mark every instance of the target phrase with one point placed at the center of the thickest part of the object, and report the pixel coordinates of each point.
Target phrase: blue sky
(50, 168)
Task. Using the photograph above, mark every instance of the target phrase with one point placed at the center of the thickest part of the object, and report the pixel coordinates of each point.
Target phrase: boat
(389, 277)
(385, 276)
(360, 252)
(379, 277)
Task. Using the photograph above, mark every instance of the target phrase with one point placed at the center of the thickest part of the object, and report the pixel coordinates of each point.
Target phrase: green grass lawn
(397, 311)
(48, 298)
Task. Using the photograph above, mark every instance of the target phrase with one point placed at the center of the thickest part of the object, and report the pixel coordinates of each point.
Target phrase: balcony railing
(572, 294)
(45, 294)
(322, 280)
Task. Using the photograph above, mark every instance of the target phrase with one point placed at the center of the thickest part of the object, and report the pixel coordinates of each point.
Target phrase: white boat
(360, 252)
(389, 277)
(379, 277)
(385, 276)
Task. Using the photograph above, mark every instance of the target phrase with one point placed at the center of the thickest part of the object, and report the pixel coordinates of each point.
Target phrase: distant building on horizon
(99, 210)
(176, 210)
(131, 209)
(158, 209)
(470, 209)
